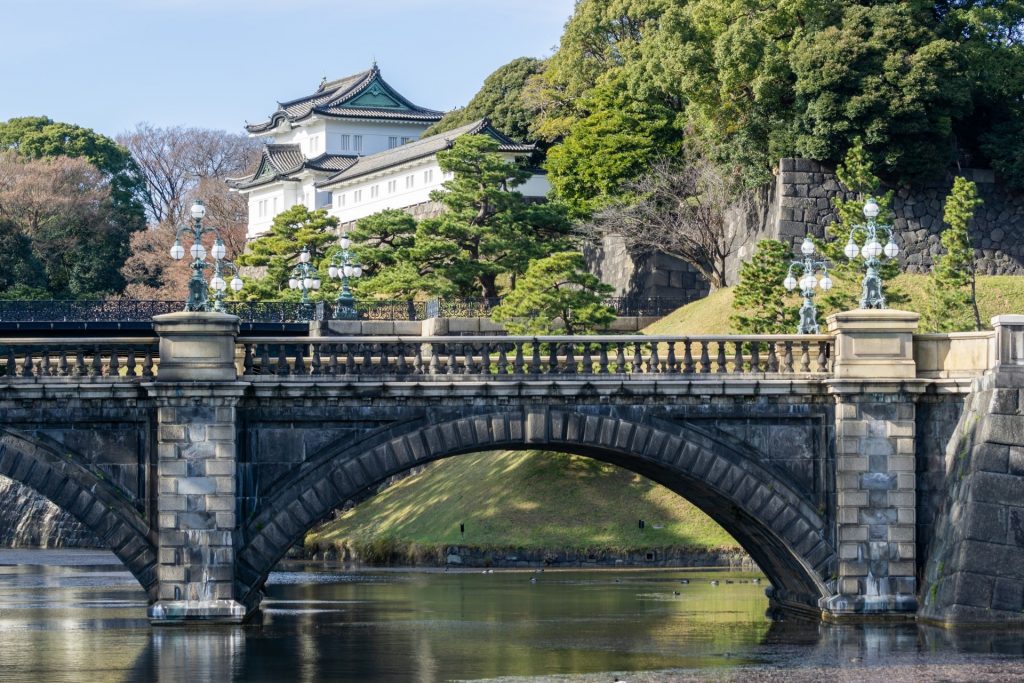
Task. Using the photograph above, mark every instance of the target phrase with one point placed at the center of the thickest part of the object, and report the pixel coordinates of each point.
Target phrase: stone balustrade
(79, 357)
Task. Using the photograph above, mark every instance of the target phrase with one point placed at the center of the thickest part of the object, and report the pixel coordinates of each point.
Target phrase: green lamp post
(872, 295)
(808, 283)
(305, 279)
(198, 289)
(344, 267)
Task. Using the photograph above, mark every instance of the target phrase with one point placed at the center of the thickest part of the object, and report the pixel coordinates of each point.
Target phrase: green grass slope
(997, 294)
(525, 499)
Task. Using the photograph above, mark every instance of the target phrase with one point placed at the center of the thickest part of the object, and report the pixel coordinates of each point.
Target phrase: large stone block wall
(975, 570)
(806, 189)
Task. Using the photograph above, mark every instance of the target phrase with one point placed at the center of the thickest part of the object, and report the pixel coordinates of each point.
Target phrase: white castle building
(354, 148)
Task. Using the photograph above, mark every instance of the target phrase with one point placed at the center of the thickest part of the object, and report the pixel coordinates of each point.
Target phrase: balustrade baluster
(247, 359)
(96, 369)
(403, 367)
(773, 358)
(385, 361)
(130, 371)
(114, 367)
(720, 357)
(653, 362)
(535, 359)
(350, 361)
(671, 364)
(638, 359)
(44, 363)
(435, 362)
(688, 368)
(822, 357)
(332, 360)
(281, 369)
(552, 358)
(418, 360)
(737, 361)
(787, 358)
(603, 358)
(26, 369)
(147, 363)
(755, 356)
(570, 359)
(11, 364)
(365, 366)
(450, 366)
(620, 357)
(805, 357)
(502, 359)
(314, 361)
(80, 367)
(518, 364)
(587, 367)
(485, 359)
(62, 362)
(705, 358)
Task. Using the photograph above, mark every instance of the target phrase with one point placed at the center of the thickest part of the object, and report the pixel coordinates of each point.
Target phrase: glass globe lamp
(177, 251)
(236, 284)
(198, 211)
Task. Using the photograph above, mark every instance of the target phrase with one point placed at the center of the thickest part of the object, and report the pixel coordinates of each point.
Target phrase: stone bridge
(201, 456)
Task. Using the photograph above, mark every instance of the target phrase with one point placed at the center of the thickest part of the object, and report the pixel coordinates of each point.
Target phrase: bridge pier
(876, 499)
(196, 466)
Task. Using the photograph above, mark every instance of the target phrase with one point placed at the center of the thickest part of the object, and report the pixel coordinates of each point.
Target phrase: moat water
(70, 615)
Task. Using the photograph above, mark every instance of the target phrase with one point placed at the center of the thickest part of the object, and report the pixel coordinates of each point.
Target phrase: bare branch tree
(683, 210)
(175, 160)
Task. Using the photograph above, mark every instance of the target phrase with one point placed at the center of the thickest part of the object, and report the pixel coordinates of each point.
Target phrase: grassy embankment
(548, 501)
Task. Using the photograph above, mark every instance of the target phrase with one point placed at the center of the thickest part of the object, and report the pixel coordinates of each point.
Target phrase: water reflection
(68, 615)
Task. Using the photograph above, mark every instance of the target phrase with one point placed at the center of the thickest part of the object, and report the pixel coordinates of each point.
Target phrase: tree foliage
(952, 297)
(556, 295)
(487, 232)
(59, 213)
(501, 100)
(761, 303)
(278, 252)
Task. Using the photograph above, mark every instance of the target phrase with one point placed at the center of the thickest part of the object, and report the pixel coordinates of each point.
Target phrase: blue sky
(109, 64)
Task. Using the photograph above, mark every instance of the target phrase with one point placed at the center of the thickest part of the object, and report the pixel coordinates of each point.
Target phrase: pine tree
(762, 304)
(952, 299)
(279, 249)
(557, 287)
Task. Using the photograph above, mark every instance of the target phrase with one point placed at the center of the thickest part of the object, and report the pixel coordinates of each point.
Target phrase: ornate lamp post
(808, 282)
(871, 291)
(344, 267)
(220, 285)
(198, 290)
(304, 278)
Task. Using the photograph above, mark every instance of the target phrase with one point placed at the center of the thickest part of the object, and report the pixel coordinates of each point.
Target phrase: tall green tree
(952, 286)
(485, 237)
(760, 301)
(556, 294)
(278, 252)
(501, 100)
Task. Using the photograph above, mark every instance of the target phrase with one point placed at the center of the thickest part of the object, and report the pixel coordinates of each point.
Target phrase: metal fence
(127, 310)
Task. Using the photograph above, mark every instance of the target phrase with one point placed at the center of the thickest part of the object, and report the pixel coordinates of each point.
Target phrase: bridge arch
(768, 516)
(93, 501)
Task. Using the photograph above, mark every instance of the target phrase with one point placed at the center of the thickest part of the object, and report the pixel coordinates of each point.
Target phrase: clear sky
(109, 64)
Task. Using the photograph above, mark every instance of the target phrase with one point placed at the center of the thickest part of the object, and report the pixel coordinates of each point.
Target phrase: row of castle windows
(392, 187)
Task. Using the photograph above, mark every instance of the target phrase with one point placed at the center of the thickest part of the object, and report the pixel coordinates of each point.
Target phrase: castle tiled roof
(283, 162)
(365, 95)
(423, 148)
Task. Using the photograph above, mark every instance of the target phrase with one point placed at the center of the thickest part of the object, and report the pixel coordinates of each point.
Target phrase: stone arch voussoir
(61, 479)
(767, 514)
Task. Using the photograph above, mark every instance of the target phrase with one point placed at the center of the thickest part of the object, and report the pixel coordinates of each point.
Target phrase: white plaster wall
(401, 197)
(266, 203)
(536, 186)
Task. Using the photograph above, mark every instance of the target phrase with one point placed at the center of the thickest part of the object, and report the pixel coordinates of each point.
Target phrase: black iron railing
(128, 310)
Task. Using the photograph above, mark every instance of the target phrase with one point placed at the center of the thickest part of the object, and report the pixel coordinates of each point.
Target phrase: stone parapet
(196, 346)
(873, 344)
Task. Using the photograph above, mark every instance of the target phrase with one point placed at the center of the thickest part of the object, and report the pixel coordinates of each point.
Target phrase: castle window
(392, 186)
(357, 196)
(428, 176)
(374, 191)
(410, 180)
(392, 142)
(345, 142)
(406, 141)
(357, 143)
